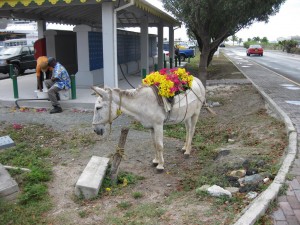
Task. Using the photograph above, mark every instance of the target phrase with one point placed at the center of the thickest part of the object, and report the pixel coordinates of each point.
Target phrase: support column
(84, 77)
(171, 43)
(144, 45)
(160, 58)
(41, 27)
(50, 42)
(109, 31)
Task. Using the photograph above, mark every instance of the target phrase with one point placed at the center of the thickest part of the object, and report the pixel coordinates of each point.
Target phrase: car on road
(21, 57)
(222, 45)
(255, 50)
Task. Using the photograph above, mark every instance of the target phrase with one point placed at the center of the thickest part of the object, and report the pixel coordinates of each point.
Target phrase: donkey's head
(105, 110)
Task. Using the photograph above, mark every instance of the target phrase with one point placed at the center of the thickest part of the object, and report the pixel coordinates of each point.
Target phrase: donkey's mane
(129, 92)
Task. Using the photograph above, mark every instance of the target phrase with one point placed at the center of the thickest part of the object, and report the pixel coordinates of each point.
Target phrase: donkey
(143, 106)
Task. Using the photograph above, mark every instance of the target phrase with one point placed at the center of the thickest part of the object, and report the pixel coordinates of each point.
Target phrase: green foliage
(288, 45)
(130, 177)
(33, 193)
(137, 194)
(248, 43)
(210, 23)
(124, 205)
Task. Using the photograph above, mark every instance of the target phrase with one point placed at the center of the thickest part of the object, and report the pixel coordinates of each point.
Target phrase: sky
(285, 23)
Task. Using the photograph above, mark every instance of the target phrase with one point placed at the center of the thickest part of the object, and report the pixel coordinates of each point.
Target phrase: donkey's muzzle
(99, 131)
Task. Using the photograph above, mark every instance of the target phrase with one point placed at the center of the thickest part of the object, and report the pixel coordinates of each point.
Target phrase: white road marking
(293, 102)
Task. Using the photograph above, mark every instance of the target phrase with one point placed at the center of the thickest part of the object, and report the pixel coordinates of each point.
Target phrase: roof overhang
(89, 12)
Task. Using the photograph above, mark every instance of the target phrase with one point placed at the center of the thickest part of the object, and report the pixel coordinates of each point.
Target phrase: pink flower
(163, 71)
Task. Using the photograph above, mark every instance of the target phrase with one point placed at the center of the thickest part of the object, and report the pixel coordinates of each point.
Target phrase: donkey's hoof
(154, 164)
(160, 169)
(186, 156)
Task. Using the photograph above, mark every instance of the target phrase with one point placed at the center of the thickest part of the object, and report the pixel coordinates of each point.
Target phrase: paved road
(282, 63)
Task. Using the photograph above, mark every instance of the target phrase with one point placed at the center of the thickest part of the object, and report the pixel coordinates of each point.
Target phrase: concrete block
(6, 142)
(8, 186)
(90, 180)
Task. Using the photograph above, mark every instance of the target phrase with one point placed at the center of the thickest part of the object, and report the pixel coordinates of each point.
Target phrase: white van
(14, 42)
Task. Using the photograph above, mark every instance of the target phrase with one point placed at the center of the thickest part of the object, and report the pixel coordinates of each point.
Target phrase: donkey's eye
(99, 107)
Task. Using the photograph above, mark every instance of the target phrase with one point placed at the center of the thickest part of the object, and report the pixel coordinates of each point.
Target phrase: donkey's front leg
(159, 146)
(155, 160)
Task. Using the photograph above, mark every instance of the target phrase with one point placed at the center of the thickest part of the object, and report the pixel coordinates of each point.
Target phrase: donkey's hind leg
(191, 124)
(187, 124)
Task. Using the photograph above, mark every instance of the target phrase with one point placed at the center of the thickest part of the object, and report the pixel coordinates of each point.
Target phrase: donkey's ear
(101, 92)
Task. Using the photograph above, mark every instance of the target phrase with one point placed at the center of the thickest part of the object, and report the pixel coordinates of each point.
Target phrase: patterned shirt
(61, 73)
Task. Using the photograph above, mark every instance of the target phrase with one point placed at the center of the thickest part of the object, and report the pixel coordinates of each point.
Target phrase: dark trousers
(52, 92)
(42, 78)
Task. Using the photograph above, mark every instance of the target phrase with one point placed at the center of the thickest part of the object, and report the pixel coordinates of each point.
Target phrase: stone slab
(90, 180)
(8, 186)
(6, 142)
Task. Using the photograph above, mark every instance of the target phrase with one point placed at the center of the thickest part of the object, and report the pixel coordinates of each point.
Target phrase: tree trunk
(118, 155)
(203, 67)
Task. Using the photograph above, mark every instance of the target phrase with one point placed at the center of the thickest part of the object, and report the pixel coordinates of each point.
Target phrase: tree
(264, 40)
(288, 45)
(257, 39)
(240, 41)
(210, 22)
(234, 38)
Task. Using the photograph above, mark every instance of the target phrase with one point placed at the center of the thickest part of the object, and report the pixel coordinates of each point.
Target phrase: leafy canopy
(221, 18)
(210, 22)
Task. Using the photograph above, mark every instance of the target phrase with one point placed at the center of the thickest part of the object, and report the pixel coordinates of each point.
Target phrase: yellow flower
(165, 81)
(108, 189)
(125, 182)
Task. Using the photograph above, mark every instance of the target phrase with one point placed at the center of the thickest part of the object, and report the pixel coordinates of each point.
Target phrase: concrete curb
(258, 207)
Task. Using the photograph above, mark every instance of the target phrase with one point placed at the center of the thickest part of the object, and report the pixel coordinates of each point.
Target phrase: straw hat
(44, 66)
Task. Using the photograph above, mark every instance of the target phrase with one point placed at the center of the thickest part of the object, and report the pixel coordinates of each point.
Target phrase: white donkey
(142, 105)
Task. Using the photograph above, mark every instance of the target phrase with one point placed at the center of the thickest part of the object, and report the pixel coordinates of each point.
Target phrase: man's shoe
(56, 110)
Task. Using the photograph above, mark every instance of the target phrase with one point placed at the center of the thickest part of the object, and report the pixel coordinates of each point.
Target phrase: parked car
(21, 57)
(255, 50)
(222, 45)
(184, 53)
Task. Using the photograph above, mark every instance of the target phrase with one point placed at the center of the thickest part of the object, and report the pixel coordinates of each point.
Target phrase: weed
(290, 177)
(124, 205)
(283, 189)
(83, 213)
(33, 193)
(137, 194)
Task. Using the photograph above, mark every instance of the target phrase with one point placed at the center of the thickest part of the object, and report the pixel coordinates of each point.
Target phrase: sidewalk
(283, 97)
(27, 85)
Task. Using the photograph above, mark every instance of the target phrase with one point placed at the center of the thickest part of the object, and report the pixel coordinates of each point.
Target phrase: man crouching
(60, 80)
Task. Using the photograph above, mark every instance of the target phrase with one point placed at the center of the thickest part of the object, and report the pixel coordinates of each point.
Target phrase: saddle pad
(180, 100)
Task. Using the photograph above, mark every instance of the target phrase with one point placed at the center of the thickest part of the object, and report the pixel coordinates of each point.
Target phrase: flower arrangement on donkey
(169, 82)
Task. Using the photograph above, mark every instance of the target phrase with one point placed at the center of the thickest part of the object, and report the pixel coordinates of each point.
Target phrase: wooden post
(118, 155)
